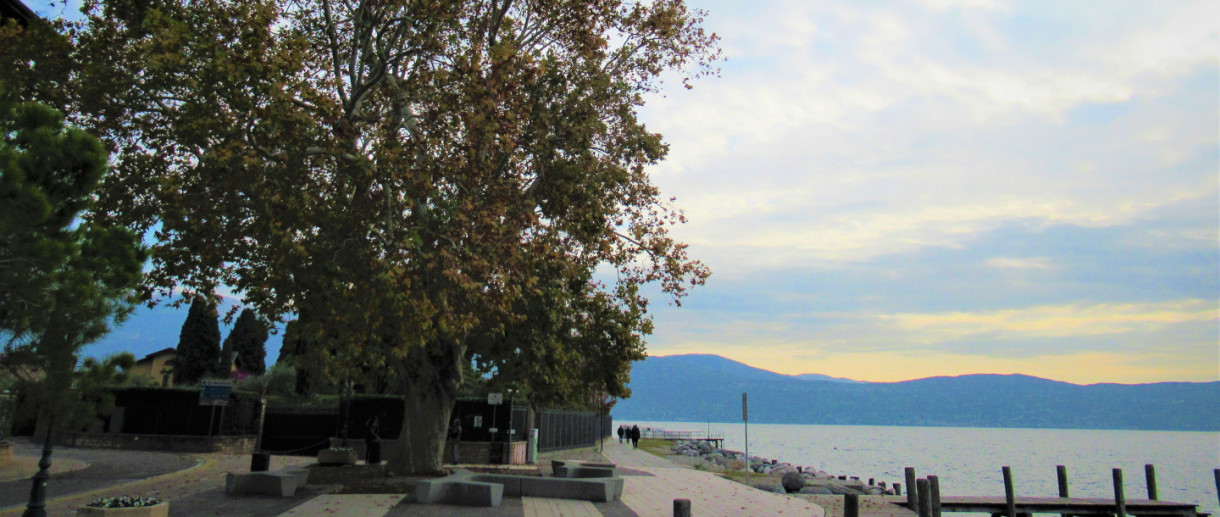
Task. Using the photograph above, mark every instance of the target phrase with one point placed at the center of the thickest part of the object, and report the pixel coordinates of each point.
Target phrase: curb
(95, 493)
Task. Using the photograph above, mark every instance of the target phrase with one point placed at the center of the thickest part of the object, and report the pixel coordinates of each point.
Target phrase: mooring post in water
(681, 507)
(1216, 473)
(1120, 502)
(912, 489)
(1062, 473)
(1150, 477)
(1009, 498)
(925, 502)
(934, 494)
(851, 505)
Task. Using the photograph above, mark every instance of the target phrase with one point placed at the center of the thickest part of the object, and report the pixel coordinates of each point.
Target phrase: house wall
(154, 368)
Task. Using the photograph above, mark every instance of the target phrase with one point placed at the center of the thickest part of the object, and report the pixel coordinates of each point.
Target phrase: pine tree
(198, 344)
(248, 340)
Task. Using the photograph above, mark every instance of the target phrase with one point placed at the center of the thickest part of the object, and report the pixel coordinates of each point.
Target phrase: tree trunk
(421, 443)
(429, 378)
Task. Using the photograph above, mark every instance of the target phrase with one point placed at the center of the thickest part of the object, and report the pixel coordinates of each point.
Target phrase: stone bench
(577, 463)
(598, 490)
(459, 488)
(473, 489)
(282, 483)
(582, 469)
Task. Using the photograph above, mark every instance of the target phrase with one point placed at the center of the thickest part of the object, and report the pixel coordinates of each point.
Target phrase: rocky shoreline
(776, 476)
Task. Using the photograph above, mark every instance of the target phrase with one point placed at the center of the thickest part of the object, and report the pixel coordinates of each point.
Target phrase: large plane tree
(409, 173)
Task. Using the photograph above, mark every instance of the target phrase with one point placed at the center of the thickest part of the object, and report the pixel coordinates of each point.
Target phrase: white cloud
(878, 136)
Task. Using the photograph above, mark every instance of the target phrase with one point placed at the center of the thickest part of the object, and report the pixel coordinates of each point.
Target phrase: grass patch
(740, 476)
(657, 447)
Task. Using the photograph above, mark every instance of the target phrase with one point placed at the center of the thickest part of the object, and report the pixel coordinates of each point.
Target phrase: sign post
(745, 420)
(494, 399)
(215, 393)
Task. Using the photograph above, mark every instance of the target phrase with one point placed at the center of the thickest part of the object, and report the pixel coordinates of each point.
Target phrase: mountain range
(700, 387)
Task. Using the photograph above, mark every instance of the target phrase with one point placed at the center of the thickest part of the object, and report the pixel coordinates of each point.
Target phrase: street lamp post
(508, 448)
(37, 506)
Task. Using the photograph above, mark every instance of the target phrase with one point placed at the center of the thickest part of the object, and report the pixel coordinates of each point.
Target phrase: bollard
(1062, 473)
(934, 494)
(912, 489)
(925, 502)
(1216, 473)
(1120, 502)
(1009, 498)
(851, 505)
(1150, 477)
(260, 461)
(897, 488)
(681, 507)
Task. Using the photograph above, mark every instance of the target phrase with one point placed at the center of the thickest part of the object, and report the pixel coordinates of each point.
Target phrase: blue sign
(214, 393)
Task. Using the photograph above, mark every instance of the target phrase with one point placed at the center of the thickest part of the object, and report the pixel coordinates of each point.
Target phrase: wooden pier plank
(1075, 505)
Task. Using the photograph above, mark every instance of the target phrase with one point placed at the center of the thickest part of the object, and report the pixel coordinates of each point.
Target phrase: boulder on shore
(792, 482)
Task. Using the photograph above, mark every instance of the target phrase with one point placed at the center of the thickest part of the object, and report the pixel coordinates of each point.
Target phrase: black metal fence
(571, 429)
(176, 411)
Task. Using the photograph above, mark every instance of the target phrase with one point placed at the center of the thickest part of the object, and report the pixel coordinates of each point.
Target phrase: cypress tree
(198, 343)
(249, 341)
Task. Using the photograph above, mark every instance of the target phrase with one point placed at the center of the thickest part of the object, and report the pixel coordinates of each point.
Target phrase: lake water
(968, 460)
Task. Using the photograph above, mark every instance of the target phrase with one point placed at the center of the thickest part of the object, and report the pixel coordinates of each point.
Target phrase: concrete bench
(577, 463)
(589, 489)
(460, 488)
(581, 471)
(464, 487)
(282, 483)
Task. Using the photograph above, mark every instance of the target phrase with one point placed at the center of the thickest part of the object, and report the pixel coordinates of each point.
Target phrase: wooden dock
(927, 501)
(998, 505)
(717, 439)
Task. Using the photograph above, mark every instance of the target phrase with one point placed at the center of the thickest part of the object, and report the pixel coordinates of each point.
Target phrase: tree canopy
(248, 341)
(198, 344)
(410, 174)
(64, 278)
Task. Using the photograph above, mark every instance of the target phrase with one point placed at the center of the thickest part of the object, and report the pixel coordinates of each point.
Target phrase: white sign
(495, 399)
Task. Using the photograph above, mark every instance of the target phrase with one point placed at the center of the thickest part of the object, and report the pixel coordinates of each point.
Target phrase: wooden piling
(1120, 502)
(1009, 498)
(913, 489)
(925, 502)
(1216, 473)
(681, 507)
(1150, 477)
(1062, 473)
(851, 505)
(897, 488)
(934, 494)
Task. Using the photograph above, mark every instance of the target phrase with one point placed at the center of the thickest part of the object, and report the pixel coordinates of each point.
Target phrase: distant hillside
(696, 388)
(820, 377)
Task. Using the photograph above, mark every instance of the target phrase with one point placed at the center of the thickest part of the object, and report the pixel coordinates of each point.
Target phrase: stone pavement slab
(347, 505)
(547, 507)
(710, 495)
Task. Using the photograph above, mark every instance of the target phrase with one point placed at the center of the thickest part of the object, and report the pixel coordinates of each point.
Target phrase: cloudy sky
(896, 190)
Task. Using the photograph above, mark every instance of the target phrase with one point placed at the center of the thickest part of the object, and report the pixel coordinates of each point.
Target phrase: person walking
(455, 433)
(635, 437)
(621, 432)
(372, 442)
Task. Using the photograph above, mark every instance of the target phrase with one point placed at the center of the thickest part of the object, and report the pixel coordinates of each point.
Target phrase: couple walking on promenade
(632, 435)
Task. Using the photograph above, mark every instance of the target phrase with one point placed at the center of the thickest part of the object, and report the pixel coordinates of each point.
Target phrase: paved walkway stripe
(548, 507)
(710, 495)
(347, 505)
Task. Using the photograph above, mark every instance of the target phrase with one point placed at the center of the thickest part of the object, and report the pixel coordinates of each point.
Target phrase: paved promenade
(651, 485)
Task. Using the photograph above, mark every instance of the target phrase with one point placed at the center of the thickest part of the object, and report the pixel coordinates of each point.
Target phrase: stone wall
(241, 444)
